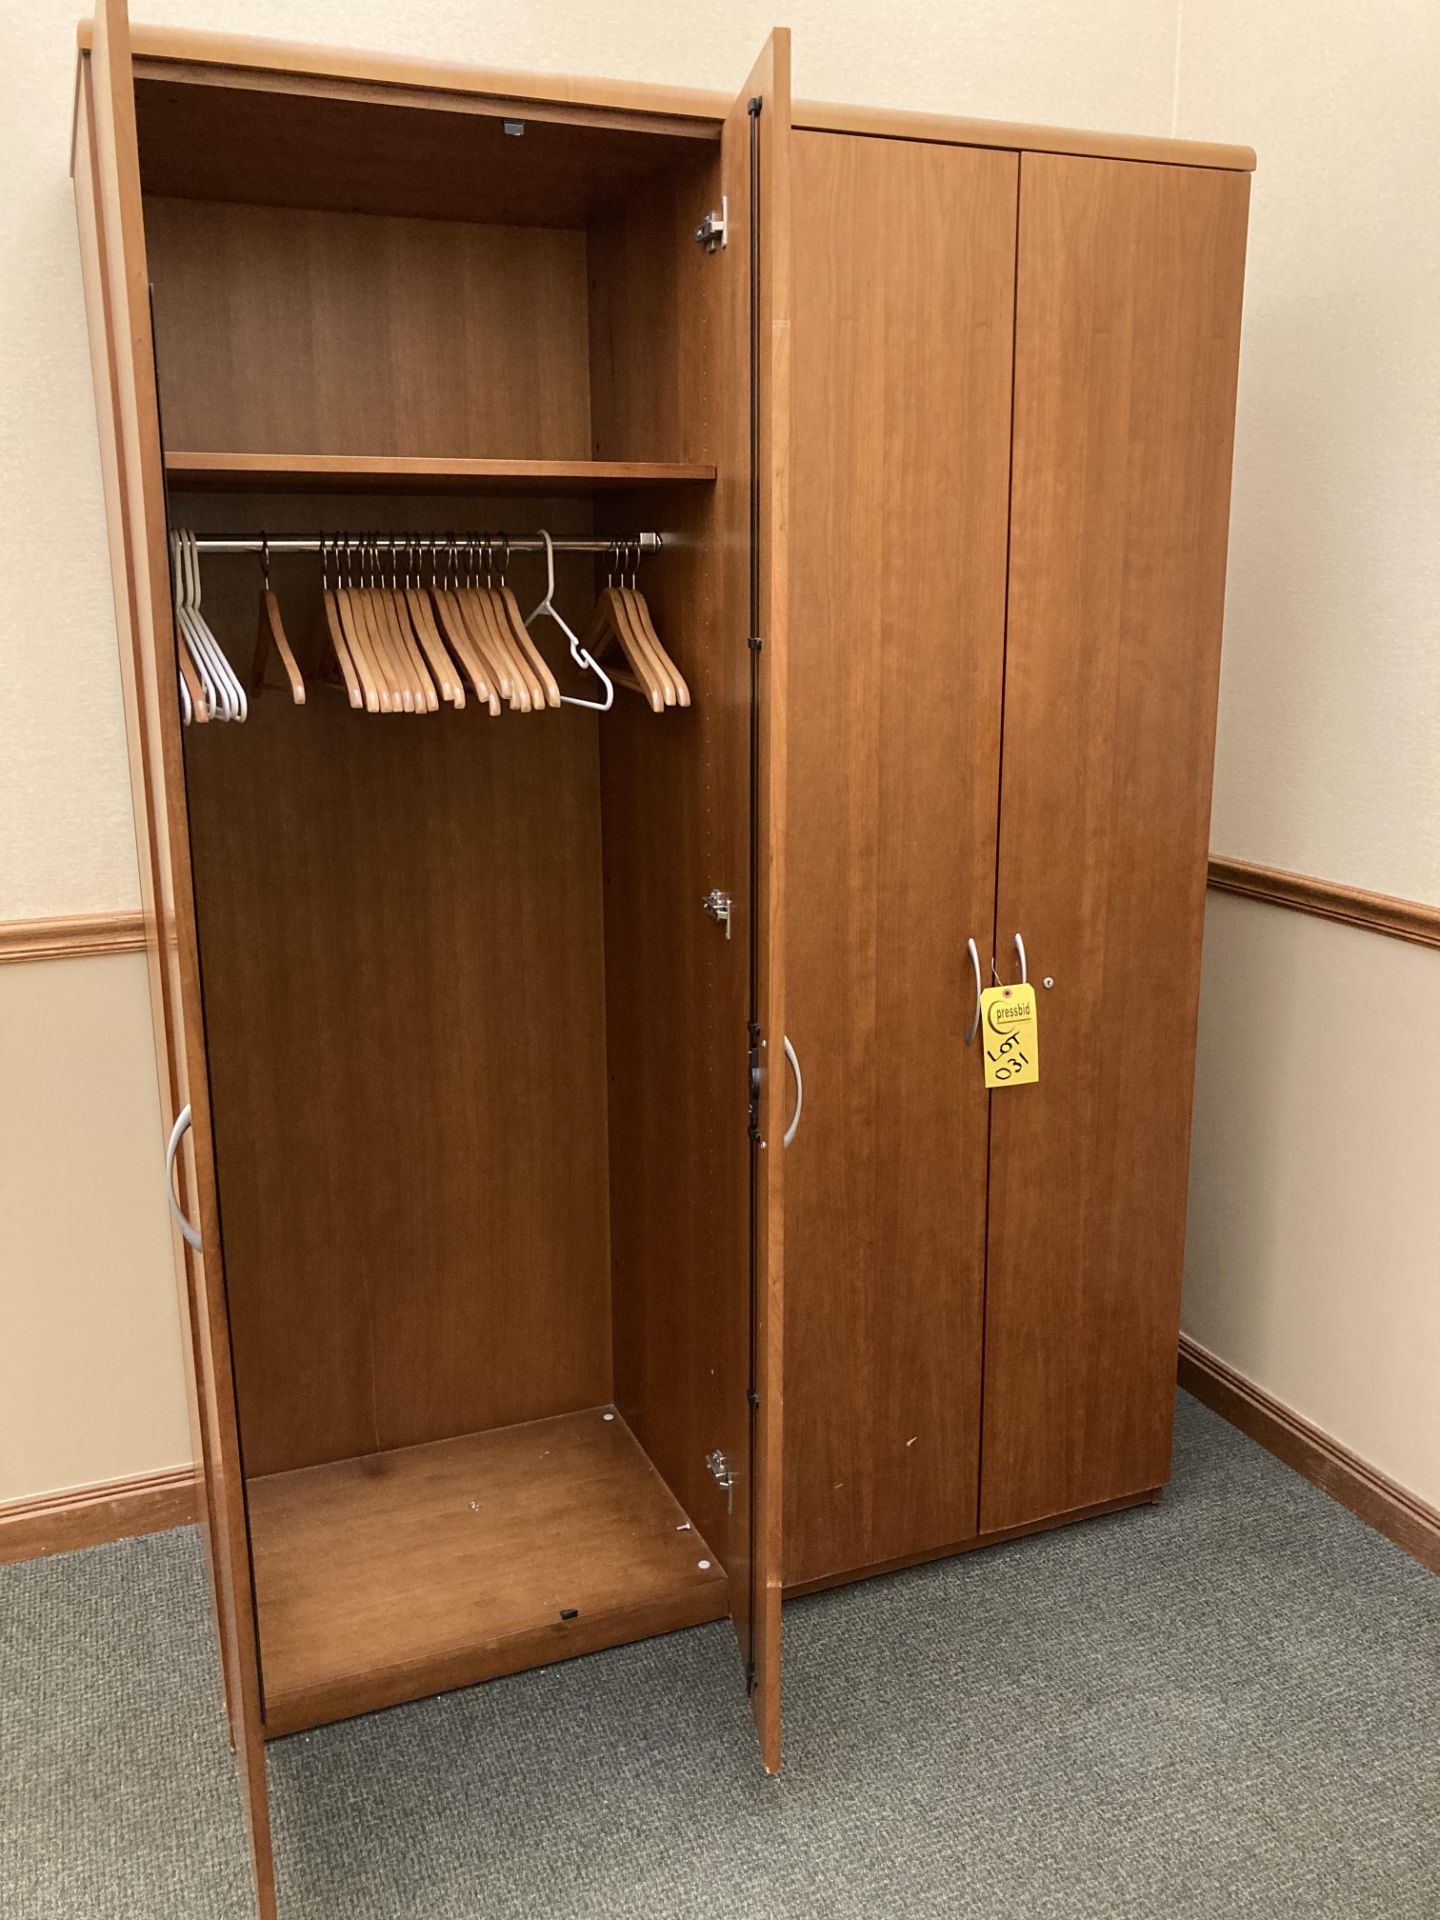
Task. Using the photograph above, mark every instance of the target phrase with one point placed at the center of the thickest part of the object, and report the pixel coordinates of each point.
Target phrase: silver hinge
(719, 906)
(713, 231)
(724, 1479)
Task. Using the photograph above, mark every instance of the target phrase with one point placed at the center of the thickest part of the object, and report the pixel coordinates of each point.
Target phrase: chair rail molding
(72, 937)
(1409, 920)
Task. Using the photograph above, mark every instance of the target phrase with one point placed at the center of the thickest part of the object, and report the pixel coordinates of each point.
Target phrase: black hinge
(752, 1396)
(749, 1676)
(753, 106)
(755, 643)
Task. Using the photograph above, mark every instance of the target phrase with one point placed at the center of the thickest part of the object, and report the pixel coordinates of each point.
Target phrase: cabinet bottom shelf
(396, 1575)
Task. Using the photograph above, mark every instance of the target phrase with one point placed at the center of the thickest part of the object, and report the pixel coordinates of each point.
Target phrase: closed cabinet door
(903, 310)
(1126, 340)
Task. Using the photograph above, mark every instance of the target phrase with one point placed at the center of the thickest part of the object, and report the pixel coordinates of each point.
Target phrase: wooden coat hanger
(512, 622)
(271, 638)
(415, 608)
(356, 632)
(363, 633)
(491, 634)
(434, 679)
(610, 626)
(450, 623)
(414, 677)
(487, 665)
(359, 688)
(615, 623)
(677, 692)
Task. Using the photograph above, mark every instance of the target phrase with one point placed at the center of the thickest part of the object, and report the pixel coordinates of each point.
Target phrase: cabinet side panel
(904, 288)
(1127, 338)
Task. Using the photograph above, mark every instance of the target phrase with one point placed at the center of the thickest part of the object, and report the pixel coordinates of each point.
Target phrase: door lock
(714, 230)
(721, 909)
(723, 1477)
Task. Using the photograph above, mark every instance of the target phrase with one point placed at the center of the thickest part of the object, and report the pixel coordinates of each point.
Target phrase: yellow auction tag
(1009, 1028)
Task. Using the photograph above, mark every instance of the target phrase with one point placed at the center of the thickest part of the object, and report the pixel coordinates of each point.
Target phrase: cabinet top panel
(181, 53)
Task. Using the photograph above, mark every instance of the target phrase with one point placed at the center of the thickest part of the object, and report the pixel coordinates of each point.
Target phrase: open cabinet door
(755, 164)
(112, 239)
(693, 810)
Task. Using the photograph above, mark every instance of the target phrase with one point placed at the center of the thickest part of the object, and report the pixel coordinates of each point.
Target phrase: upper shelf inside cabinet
(378, 473)
(291, 143)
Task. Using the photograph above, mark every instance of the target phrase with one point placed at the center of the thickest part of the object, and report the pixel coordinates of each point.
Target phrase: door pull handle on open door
(793, 1058)
(177, 1134)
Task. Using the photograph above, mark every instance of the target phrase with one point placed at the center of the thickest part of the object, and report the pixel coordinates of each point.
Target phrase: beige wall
(1314, 1248)
(91, 1386)
(1332, 681)
(1330, 698)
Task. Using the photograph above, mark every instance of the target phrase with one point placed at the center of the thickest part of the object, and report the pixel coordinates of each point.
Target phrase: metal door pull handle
(974, 1028)
(177, 1134)
(793, 1058)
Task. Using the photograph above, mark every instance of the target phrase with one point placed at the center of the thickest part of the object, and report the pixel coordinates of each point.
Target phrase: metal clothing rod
(360, 544)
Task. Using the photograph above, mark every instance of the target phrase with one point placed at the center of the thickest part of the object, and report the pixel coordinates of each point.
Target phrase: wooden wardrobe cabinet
(1012, 408)
(471, 1027)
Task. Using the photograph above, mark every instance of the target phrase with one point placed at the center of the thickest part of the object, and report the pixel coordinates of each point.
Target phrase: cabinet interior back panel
(400, 924)
(905, 271)
(285, 330)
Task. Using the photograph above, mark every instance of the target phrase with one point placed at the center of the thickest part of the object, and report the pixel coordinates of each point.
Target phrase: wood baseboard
(77, 937)
(1376, 1500)
(94, 1516)
(1353, 906)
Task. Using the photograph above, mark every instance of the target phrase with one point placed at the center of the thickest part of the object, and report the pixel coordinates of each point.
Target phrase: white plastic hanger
(235, 692)
(577, 651)
(194, 647)
(223, 690)
(199, 658)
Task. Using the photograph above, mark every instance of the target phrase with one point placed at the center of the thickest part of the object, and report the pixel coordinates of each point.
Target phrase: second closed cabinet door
(1126, 339)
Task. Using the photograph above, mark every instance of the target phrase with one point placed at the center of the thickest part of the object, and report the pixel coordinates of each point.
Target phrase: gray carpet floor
(1224, 1705)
